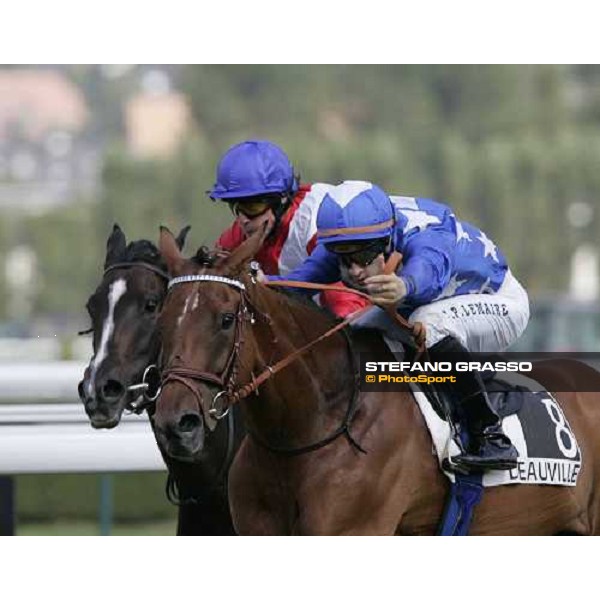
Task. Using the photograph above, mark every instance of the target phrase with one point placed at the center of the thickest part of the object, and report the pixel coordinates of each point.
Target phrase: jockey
(453, 279)
(257, 181)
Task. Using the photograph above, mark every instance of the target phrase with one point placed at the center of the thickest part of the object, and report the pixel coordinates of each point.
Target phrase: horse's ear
(115, 246)
(180, 239)
(170, 250)
(246, 250)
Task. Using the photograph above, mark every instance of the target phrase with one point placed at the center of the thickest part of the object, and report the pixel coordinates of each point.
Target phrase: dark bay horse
(300, 470)
(124, 310)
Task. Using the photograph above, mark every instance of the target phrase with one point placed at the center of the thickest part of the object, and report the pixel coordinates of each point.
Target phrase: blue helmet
(253, 168)
(354, 211)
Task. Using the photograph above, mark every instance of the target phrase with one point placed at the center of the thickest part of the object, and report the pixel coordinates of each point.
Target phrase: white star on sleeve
(418, 219)
(485, 287)
(451, 287)
(461, 234)
(489, 248)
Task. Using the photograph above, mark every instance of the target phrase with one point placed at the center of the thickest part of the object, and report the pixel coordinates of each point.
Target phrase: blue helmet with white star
(253, 168)
(355, 211)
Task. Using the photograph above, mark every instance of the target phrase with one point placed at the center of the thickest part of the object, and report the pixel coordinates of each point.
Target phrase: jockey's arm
(428, 263)
(320, 267)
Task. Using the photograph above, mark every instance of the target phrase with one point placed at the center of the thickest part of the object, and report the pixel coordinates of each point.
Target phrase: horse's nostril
(189, 422)
(81, 390)
(113, 389)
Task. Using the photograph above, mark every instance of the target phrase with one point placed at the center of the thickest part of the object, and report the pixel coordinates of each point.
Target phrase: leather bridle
(137, 404)
(143, 265)
(188, 376)
(229, 394)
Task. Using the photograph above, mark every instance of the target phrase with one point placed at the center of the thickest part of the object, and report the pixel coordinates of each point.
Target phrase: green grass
(91, 528)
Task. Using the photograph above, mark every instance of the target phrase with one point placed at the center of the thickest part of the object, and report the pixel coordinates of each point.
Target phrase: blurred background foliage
(509, 147)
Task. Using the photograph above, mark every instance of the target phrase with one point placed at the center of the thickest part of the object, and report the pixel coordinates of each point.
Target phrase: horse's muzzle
(105, 405)
(183, 437)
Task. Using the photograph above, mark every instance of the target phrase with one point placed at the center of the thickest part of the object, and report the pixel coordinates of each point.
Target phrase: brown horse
(301, 469)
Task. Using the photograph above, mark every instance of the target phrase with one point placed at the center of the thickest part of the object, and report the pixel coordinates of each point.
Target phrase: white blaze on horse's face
(186, 306)
(184, 311)
(116, 290)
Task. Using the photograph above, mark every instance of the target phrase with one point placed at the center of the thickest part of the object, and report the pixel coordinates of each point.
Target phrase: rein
(229, 396)
(417, 331)
(343, 429)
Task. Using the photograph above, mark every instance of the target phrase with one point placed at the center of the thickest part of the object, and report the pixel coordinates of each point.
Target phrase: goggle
(359, 254)
(251, 209)
(257, 206)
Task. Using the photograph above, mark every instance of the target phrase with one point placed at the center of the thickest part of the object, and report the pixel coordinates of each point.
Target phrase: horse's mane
(142, 251)
(147, 251)
(204, 257)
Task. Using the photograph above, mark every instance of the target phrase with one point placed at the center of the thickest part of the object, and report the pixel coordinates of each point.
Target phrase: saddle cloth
(533, 420)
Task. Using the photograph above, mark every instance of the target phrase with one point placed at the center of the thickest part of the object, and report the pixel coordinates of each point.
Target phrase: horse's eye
(227, 320)
(151, 305)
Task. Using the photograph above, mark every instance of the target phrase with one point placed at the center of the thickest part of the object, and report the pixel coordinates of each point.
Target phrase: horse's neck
(303, 400)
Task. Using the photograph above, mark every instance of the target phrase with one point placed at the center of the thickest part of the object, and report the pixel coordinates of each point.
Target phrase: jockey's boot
(489, 447)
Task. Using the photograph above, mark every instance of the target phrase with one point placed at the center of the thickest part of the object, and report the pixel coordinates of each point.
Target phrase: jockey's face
(356, 275)
(251, 225)
(255, 213)
(360, 260)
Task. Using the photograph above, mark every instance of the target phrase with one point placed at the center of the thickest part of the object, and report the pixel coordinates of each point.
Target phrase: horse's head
(124, 312)
(201, 328)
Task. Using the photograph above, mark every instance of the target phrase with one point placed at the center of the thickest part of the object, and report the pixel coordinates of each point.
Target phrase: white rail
(57, 438)
(40, 380)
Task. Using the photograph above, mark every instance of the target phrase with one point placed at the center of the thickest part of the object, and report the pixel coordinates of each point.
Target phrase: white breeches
(480, 322)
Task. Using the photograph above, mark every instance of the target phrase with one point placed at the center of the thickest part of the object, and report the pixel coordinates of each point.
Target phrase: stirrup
(449, 465)
(474, 463)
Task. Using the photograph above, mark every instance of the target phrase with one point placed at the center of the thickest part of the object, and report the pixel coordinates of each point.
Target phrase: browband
(213, 278)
